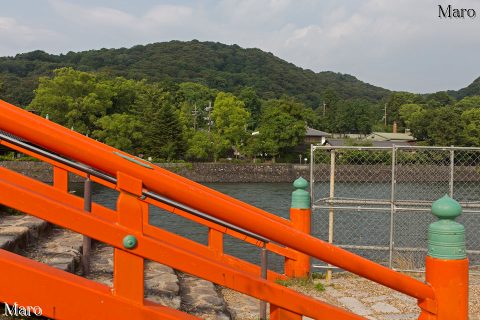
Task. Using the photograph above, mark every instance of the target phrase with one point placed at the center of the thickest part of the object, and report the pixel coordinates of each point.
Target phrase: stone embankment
(199, 172)
(280, 172)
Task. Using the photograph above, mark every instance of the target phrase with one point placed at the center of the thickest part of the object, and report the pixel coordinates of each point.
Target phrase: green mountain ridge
(219, 66)
(472, 89)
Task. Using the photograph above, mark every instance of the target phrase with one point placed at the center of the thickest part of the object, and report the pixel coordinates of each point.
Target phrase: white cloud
(168, 15)
(16, 37)
(98, 17)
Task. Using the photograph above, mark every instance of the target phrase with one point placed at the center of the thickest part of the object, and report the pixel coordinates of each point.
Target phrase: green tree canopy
(121, 131)
(253, 105)
(408, 112)
(230, 118)
(163, 130)
(73, 99)
(468, 103)
(278, 131)
(471, 127)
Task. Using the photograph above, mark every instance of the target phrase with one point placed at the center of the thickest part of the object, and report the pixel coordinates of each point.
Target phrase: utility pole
(324, 108)
(385, 115)
(194, 113)
(208, 118)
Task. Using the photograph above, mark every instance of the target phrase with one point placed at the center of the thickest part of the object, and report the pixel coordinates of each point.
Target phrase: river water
(352, 227)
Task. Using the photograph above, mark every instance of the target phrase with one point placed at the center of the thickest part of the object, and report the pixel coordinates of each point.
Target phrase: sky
(399, 45)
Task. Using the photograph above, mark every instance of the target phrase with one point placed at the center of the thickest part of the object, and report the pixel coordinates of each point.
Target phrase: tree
(468, 103)
(230, 118)
(194, 99)
(408, 112)
(352, 116)
(471, 127)
(278, 132)
(419, 124)
(121, 131)
(330, 98)
(396, 100)
(253, 105)
(439, 99)
(444, 128)
(294, 108)
(125, 94)
(163, 130)
(73, 99)
(199, 146)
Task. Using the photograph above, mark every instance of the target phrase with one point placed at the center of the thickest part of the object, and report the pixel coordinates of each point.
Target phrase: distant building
(390, 136)
(314, 136)
(377, 139)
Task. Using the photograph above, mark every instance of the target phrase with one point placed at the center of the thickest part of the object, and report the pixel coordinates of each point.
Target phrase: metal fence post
(264, 268)
(312, 178)
(328, 276)
(452, 168)
(392, 207)
(87, 242)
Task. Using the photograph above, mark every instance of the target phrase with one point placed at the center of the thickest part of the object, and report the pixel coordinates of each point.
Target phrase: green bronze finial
(300, 197)
(129, 242)
(446, 238)
(446, 208)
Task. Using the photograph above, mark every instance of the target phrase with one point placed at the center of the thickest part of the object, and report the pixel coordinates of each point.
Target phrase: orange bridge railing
(64, 296)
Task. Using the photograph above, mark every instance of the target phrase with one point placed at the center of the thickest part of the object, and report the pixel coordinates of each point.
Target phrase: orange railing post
(446, 264)
(300, 216)
(215, 241)
(128, 267)
(60, 178)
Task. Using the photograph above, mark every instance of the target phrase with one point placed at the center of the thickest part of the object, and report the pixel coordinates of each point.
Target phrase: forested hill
(219, 66)
(471, 90)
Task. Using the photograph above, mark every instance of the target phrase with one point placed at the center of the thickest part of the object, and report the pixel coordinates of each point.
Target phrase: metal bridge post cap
(300, 183)
(129, 242)
(300, 197)
(446, 208)
(446, 237)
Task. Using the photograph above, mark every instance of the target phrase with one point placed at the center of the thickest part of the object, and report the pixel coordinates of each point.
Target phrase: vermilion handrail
(97, 155)
(76, 146)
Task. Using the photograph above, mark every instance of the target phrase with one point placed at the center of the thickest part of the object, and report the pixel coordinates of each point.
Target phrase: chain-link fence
(376, 201)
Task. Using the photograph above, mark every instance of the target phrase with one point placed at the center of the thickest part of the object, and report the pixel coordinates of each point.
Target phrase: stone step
(161, 282)
(18, 231)
(165, 286)
(61, 249)
(202, 298)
